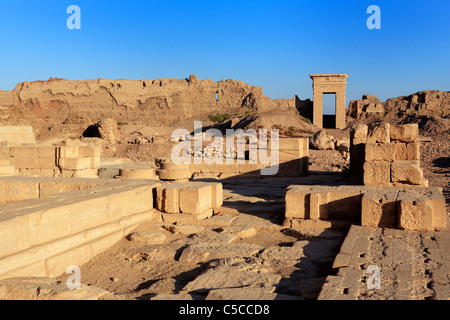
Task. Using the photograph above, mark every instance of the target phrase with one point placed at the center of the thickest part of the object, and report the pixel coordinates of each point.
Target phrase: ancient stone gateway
(329, 83)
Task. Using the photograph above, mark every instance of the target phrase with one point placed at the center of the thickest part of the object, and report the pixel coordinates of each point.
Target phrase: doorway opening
(329, 110)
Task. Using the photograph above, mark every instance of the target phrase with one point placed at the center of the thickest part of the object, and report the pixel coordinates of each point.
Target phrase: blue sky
(273, 44)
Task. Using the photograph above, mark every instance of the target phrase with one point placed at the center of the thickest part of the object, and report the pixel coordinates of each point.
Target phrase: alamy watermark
(374, 280)
(374, 21)
(74, 280)
(258, 147)
(74, 20)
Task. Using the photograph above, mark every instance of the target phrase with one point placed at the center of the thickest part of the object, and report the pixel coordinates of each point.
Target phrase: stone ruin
(56, 211)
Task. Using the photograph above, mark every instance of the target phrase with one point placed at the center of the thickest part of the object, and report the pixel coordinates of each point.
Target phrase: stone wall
(409, 208)
(54, 161)
(43, 236)
(16, 135)
(382, 154)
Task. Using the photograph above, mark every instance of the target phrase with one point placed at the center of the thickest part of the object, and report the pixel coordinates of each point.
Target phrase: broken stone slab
(148, 237)
(240, 231)
(202, 252)
(224, 277)
(43, 288)
(184, 229)
(212, 236)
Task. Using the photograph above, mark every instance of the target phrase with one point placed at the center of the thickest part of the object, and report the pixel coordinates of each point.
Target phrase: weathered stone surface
(224, 277)
(282, 253)
(379, 208)
(408, 172)
(407, 151)
(380, 152)
(148, 237)
(379, 132)
(42, 288)
(185, 229)
(207, 251)
(424, 103)
(377, 173)
(240, 231)
(405, 133)
(247, 293)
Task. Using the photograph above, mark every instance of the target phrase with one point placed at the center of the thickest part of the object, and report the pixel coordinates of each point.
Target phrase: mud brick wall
(382, 155)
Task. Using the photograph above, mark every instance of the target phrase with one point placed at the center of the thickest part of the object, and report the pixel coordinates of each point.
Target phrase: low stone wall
(54, 161)
(382, 154)
(43, 236)
(409, 208)
(293, 162)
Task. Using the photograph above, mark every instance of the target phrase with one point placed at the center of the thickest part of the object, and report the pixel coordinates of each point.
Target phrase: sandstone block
(85, 151)
(380, 152)
(178, 174)
(195, 199)
(318, 206)
(379, 132)
(216, 194)
(405, 133)
(137, 173)
(297, 203)
(47, 152)
(69, 152)
(5, 152)
(359, 133)
(173, 166)
(415, 212)
(377, 173)
(379, 209)
(408, 172)
(439, 208)
(407, 151)
(74, 163)
(167, 199)
(47, 163)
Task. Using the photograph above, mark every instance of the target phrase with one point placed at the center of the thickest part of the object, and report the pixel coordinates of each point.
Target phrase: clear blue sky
(274, 44)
